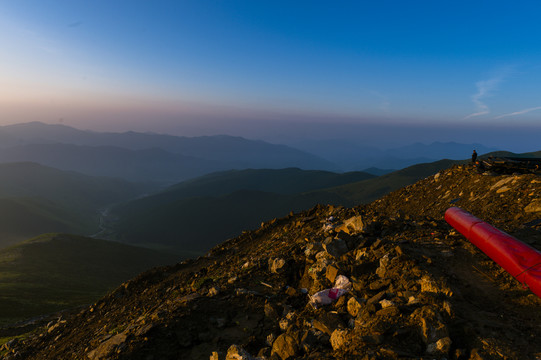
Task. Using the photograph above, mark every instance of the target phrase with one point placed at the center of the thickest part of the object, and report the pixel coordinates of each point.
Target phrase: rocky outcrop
(418, 289)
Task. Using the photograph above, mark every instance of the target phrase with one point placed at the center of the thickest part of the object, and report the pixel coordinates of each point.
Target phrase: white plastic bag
(325, 297)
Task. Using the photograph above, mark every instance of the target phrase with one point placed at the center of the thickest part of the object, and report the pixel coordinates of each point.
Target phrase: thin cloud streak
(525, 111)
(483, 90)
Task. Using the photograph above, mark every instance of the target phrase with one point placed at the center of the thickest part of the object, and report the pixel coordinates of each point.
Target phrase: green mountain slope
(200, 213)
(35, 199)
(283, 181)
(198, 223)
(65, 187)
(176, 220)
(22, 218)
(365, 191)
(58, 271)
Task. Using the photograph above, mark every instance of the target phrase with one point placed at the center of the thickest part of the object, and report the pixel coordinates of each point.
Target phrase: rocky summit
(417, 288)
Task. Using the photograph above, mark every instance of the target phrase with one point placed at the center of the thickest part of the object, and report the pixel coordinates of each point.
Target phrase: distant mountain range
(143, 156)
(170, 159)
(350, 155)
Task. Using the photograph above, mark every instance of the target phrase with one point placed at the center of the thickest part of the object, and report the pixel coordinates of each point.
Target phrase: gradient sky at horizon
(203, 67)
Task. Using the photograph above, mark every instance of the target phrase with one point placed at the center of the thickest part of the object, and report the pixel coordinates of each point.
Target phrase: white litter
(325, 297)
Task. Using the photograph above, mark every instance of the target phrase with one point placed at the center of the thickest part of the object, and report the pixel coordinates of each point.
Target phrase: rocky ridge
(419, 289)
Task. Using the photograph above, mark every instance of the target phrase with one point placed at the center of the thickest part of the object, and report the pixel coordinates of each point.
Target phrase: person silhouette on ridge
(474, 157)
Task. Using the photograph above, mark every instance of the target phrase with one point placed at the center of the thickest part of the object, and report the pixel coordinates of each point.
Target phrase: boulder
(440, 347)
(272, 311)
(285, 346)
(312, 249)
(432, 330)
(352, 225)
(533, 207)
(308, 341)
(339, 338)
(236, 352)
(107, 347)
(331, 273)
(336, 248)
(276, 265)
(428, 284)
(354, 306)
(328, 322)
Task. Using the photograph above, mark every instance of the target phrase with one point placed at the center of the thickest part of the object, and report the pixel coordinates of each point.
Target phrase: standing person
(474, 157)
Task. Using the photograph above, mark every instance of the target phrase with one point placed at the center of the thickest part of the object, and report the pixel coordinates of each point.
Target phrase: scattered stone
(376, 298)
(107, 347)
(264, 353)
(533, 207)
(336, 248)
(501, 183)
(272, 311)
(286, 322)
(271, 338)
(291, 291)
(432, 329)
(340, 338)
(213, 291)
(354, 306)
(332, 272)
(443, 345)
(144, 329)
(386, 303)
(312, 249)
(276, 265)
(236, 352)
(285, 346)
(328, 322)
(352, 225)
(403, 255)
(390, 311)
(430, 285)
(412, 300)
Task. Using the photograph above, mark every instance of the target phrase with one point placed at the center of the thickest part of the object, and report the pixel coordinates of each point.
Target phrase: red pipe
(519, 259)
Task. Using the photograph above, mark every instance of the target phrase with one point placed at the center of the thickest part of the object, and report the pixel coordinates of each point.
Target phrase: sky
(384, 72)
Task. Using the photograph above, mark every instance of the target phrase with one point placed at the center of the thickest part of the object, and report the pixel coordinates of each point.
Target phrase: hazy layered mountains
(144, 156)
(148, 165)
(350, 155)
(199, 213)
(170, 159)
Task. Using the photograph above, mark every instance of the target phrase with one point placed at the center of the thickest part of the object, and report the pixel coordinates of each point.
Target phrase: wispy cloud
(484, 89)
(525, 111)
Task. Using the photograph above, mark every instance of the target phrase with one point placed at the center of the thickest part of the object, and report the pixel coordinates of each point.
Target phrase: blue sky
(252, 67)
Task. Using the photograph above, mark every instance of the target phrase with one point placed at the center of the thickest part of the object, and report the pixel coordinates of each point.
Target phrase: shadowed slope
(59, 271)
